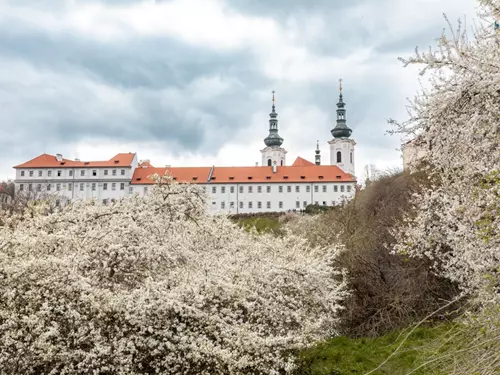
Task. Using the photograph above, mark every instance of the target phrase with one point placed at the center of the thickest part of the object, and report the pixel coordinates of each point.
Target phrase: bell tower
(273, 154)
(341, 146)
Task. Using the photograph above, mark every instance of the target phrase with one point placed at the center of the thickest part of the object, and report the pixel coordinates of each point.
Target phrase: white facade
(65, 184)
(273, 156)
(241, 198)
(413, 153)
(342, 154)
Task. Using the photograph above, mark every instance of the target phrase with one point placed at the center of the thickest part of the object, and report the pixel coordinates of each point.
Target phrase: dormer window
(285, 177)
(339, 177)
(63, 162)
(86, 163)
(195, 178)
(138, 179)
(231, 178)
(117, 161)
(268, 177)
(320, 177)
(302, 177)
(250, 177)
(213, 178)
(174, 178)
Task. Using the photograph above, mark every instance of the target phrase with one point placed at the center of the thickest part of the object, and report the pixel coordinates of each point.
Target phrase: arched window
(339, 157)
(269, 162)
(281, 162)
(351, 157)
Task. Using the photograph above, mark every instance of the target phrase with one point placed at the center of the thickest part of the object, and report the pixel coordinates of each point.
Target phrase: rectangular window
(342, 188)
(49, 173)
(223, 205)
(304, 204)
(22, 173)
(123, 172)
(316, 188)
(268, 204)
(39, 173)
(114, 172)
(122, 186)
(250, 205)
(250, 189)
(104, 201)
(70, 187)
(241, 204)
(316, 203)
(214, 189)
(288, 189)
(145, 189)
(93, 186)
(113, 186)
(21, 187)
(280, 204)
(70, 173)
(31, 173)
(297, 204)
(324, 203)
(58, 187)
(241, 189)
(268, 189)
(324, 188)
(48, 187)
(280, 189)
(81, 186)
(130, 189)
(259, 204)
(30, 187)
(348, 188)
(94, 173)
(259, 189)
(58, 202)
(231, 189)
(223, 190)
(59, 173)
(231, 205)
(335, 188)
(308, 189)
(297, 189)
(105, 172)
(82, 173)
(39, 187)
(105, 186)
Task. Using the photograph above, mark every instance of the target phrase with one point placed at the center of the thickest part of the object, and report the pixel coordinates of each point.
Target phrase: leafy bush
(156, 285)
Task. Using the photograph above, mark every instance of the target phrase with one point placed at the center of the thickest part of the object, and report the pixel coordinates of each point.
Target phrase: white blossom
(156, 285)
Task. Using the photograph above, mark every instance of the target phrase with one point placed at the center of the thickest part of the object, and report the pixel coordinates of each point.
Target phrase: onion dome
(273, 139)
(341, 130)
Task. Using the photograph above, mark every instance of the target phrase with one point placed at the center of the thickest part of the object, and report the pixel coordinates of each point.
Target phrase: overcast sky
(188, 82)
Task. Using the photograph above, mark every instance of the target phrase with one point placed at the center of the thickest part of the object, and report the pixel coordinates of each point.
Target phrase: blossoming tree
(458, 122)
(156, 285)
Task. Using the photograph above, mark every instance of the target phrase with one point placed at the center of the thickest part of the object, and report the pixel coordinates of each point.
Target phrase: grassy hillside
(342, 356)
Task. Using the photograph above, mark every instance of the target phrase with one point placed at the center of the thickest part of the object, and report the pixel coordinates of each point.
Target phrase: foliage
(388, 290)
(313, 209)
(156, 285)
(458, 123)
(342, 355)
(261, 224)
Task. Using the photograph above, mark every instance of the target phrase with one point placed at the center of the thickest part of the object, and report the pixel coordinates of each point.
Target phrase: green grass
(261, 224)
(342, 356)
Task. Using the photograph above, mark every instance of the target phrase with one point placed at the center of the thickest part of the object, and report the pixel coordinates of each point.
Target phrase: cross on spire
(273, 95)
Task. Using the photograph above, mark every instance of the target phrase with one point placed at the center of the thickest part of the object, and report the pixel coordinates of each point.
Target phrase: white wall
(346, 147)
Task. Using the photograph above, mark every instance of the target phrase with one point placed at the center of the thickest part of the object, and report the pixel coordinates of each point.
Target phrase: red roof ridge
(301, 162)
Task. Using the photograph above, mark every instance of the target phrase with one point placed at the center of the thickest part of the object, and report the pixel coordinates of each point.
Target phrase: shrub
(156, 285)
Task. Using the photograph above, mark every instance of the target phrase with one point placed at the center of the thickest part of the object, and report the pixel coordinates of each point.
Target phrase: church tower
(317, 156)
(273, 154)
(341, 147)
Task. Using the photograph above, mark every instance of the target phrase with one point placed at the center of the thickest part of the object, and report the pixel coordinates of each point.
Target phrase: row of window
(83, 173)
(268, 204)
(280, 189)
(57, 187)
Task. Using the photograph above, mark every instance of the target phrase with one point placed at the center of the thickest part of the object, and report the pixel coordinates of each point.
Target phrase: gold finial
(273, 95)
(340, 81)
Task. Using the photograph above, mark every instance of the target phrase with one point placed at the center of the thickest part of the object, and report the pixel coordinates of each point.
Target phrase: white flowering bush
(156, 285)
(458, 122)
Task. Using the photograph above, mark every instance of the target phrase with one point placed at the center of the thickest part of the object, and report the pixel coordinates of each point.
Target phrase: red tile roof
(181, 174)
(309, 173)
(301, 162)
(50, 161)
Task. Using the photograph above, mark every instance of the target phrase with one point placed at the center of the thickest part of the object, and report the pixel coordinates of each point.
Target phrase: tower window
(281, 162)
(269, 162)
(339, 157)
(351, 157)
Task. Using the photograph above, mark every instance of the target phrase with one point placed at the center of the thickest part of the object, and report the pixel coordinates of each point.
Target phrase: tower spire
(341, 130)
(317, 157)
(273, 139)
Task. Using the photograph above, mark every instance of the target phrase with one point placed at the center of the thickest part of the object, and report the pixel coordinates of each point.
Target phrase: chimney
(59, 157)
(76, 159)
